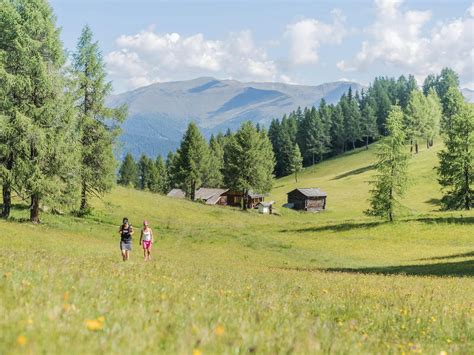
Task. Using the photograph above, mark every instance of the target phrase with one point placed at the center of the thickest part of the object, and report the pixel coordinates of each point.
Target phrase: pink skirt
(146, 244)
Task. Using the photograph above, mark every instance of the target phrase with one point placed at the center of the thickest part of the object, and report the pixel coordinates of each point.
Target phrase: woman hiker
(146, 240)
(126, 232)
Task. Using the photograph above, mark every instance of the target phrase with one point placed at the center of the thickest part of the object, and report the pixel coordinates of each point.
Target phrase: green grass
(226, 281)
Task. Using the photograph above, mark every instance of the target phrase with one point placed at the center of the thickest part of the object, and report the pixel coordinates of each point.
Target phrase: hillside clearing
(226, 281)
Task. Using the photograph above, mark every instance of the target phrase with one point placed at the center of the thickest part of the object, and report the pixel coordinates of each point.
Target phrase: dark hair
(125, 220)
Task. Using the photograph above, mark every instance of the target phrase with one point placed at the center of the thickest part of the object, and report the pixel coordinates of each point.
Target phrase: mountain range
(160, 113)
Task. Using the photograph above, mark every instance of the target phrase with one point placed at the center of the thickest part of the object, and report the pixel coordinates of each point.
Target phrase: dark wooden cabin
(309, 199)
(234, 198)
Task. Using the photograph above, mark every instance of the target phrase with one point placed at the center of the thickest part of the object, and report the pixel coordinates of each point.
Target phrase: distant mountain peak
(159, 113)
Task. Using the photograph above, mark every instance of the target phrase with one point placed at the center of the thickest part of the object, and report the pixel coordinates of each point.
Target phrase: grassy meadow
(223, 281)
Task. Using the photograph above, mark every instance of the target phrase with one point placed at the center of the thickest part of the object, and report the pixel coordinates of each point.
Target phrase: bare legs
(147, 254)
(125, 255)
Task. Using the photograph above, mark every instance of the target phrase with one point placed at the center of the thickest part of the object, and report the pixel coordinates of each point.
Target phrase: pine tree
(456, 170)
(171, 171)
(145, 172)
(249, 161)
(32, 59)
(159, 176)
(368, 123)
(97, 137)
(215, 163)
(296, 161)
(337, 130)
(192, 163)
(128, 172)
(391, 177)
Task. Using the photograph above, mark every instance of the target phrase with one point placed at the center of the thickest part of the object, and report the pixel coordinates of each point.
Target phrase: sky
(299, 41)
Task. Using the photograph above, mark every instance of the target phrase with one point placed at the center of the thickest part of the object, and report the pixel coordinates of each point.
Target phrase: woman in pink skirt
(146, 240)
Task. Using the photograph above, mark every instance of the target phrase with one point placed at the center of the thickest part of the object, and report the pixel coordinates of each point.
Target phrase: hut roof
(266, 204)
(176, 193)
(211, 196)
(255, 195)
(310, 192)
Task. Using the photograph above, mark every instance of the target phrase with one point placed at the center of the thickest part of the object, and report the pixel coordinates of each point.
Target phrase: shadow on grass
(337, 227)
(354, 172)
(457, 269)
(446, 220)
(453, 256)
(346, 226)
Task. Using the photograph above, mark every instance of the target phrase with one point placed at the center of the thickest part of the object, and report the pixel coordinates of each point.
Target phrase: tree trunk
(34, 209)
(367, 142)
(84, 205)
(7, 201)
(7, 191)
(353, 145)
(296, 176)
(390, 212)
(313, 158)
(193, 190)
(245, 200)
(416, 147)
(467, 202)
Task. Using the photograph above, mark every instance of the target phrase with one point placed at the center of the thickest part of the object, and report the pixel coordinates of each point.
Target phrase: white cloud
(398, 38)
(148, 57)
(307, 35)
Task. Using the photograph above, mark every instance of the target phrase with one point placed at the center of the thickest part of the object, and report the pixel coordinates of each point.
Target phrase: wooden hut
(234, 198)
(211, 196)
(265, 207)
(309, 199)
(177, 193)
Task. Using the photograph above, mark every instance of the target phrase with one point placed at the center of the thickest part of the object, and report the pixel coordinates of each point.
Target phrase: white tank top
(147, 235)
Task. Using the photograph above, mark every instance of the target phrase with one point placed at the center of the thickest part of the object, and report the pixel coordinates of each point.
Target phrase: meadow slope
(226, 281)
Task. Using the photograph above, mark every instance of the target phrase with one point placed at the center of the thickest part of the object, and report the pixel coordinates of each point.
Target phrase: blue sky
(299, 41)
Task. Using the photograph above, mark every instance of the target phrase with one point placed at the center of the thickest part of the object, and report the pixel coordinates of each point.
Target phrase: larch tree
(435, 112)
(249, 162)
(296, 161)
(37, 98)
(97, 122)
(456, 169)
(391, 169)
(416, 119)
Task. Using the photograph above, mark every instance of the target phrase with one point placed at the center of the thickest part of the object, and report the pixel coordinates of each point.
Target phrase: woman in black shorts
(126, 232)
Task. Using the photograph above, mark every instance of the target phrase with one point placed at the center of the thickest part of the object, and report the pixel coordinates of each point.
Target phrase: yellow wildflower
(21, 340)
(66, 296)
(219, 330)
(197, 352)
(442, 352)
(95, 324)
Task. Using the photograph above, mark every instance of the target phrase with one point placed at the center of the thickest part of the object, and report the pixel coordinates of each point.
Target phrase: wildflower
(449, 341)
(442, 352)
(66, 296)
(219, 330)
(21, 340)
(29, 321)
(66, 307)
(95, 324)
(197, 352)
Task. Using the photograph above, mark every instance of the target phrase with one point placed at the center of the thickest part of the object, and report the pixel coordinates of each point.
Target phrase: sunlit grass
(226, 281)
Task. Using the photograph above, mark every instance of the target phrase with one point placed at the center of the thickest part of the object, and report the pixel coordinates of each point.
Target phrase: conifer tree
(159, 180)
(128, 172)
(391, 169)
(416, 118)
(368, 123)
(249, 162)
(32, 58)
(215, 163)
(97, 137)
(192, 162)
(337, 130)
(296, 161)
(434, 117)
(456, 169)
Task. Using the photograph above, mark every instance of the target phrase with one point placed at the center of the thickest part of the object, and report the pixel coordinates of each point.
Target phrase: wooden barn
(308, 199)
(211, 196)
(234, 198)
